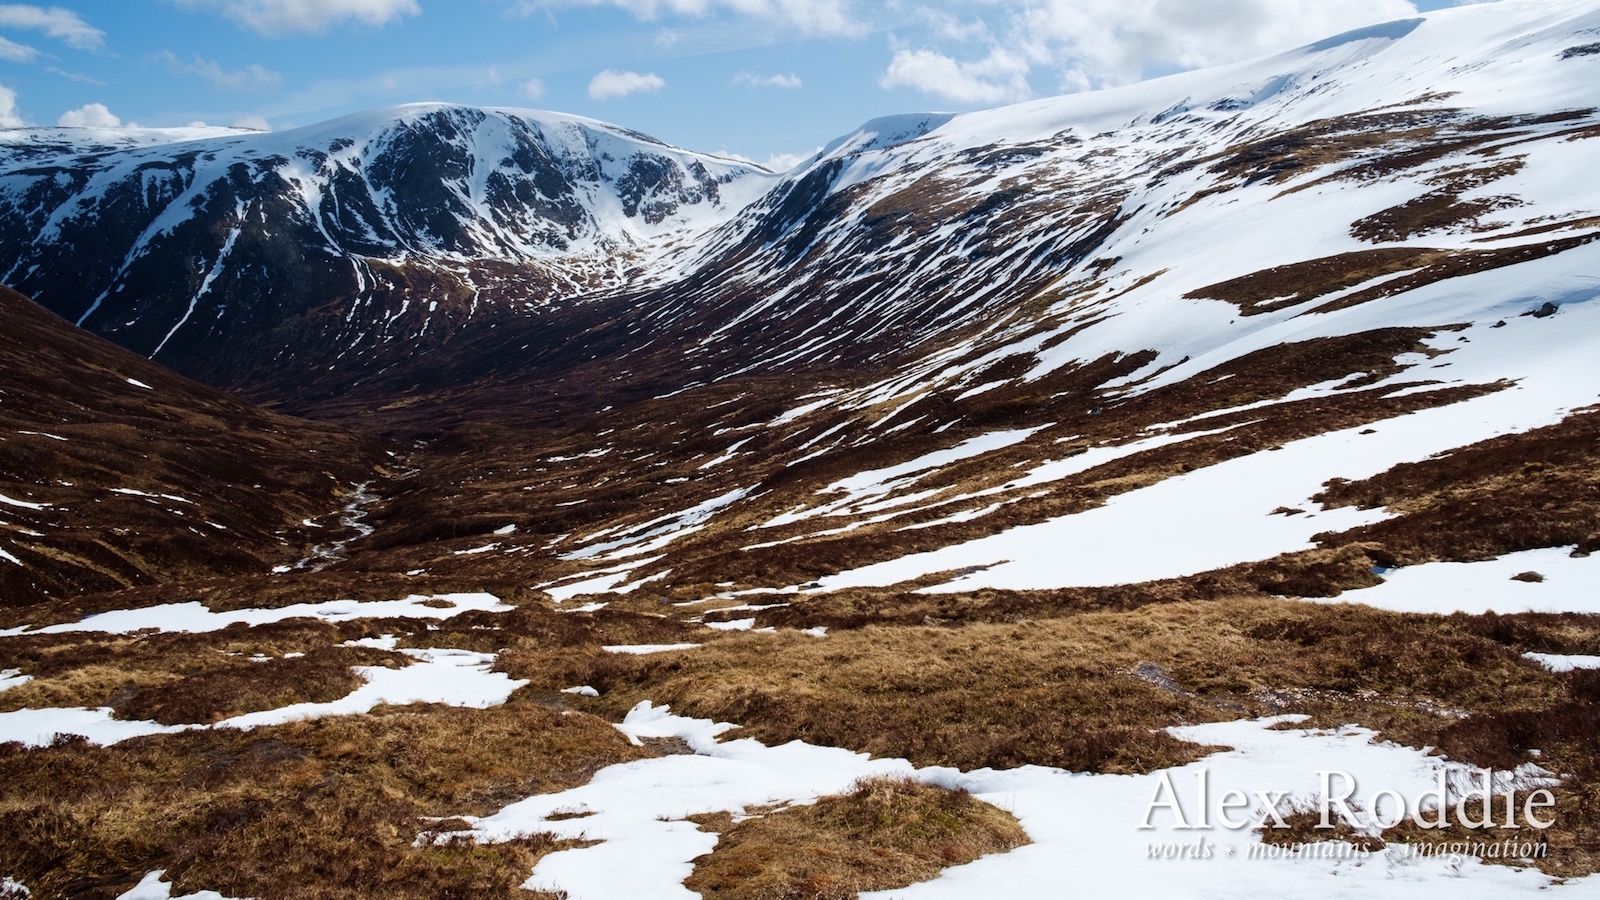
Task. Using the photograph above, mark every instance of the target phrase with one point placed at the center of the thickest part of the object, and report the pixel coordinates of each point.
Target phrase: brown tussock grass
(884, 833)
(1067, 691)
(326, 808)
(186, 678)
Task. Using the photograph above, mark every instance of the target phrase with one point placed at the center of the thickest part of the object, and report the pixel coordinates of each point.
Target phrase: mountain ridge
(379, 209)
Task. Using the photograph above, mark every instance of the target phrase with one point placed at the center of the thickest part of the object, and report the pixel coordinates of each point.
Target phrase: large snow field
(1571, 584)
(1086, 828)
(1222, 515)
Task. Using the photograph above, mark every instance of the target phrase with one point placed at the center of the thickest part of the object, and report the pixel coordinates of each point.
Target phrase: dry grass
(187, 678)
(327, 808)
(1302, 828)
(1284, 286)
(1519, 492)
(250, 476)
(1076, 691)
(884, 833)
(309, 809)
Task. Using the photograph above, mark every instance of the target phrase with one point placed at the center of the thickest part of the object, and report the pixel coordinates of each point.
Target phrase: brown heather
(883, 833)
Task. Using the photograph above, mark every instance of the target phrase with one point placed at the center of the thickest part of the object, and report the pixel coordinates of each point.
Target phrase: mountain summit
(392, 224)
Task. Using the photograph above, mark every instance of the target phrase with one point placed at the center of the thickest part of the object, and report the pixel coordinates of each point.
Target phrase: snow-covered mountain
(333, 239)
(1455, 132)
(932, 347)
(1040, 452)
(1388, 219)
(346, 252)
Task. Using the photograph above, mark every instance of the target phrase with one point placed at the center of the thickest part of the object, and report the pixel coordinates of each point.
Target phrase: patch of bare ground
(1540, 488)
(322, 809)
(1382, 144)
(1067, 690)
(1466, 262)
(882, 834)
(1324, 143)
(1283, 286)
(1442, 207)
(1309, 573)
(1438, 210)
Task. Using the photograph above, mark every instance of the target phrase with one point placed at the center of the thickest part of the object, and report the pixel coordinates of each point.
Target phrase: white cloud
(997, 78)
(951, 27)
(812, 17)
(62, 24)
(9, 117)
(1097, 43)
(11, 51)
(532, 89)
(611, 83)
(79, 77)
(777, 162)
(253, 122)
(278, 17)
(1089, 44)
(790, 81)
(783, 162)
(249, 78)
(90, 115)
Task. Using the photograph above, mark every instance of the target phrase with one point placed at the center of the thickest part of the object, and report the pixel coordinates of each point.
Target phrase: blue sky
(761, 78)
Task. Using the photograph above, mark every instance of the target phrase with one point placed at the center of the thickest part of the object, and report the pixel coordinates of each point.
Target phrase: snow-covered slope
(957, 344)
(372, 227)
(946, 343)
(1452, 131)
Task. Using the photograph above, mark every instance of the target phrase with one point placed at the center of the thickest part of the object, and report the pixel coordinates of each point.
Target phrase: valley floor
(471, 745)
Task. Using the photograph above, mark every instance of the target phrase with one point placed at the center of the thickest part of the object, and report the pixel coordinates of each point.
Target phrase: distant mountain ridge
(343, 256)
(342, 235)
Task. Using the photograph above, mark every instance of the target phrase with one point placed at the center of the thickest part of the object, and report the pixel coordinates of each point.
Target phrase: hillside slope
(957, 344)
(115, 472)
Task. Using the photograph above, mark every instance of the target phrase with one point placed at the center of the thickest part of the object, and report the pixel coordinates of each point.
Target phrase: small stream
(352, 518)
